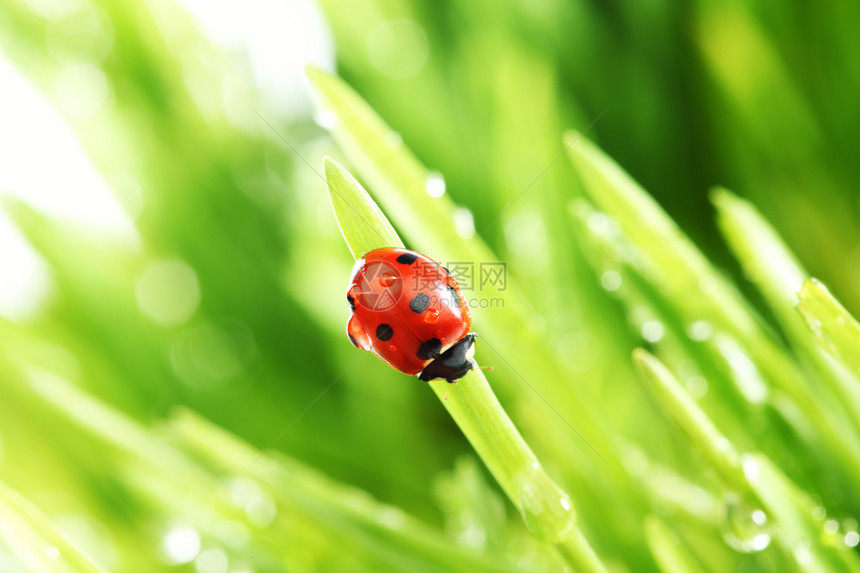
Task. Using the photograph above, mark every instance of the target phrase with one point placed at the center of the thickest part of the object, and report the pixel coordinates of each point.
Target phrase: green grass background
(116, 431)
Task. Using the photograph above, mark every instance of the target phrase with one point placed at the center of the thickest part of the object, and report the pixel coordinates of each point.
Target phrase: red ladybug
(409, 310)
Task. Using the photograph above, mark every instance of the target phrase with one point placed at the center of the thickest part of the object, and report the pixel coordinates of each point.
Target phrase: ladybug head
(454, 363)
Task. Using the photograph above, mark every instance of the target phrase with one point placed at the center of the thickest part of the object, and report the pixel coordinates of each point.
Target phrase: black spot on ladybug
(406, 259)
(419, 302)
(455, 298)
(351, 301)
(384, 332)
(429, 349)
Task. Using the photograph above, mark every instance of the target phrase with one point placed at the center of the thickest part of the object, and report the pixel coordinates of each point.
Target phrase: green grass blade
(359, 218)
(399, 183)
(344, 508)
(702, 433)
(796, 529)
(832, 326)
(400, 179)
(673, 265)
(775, 271)
(751, 476)
(764, 256)
(669, 549)
(546, 510)
(29, 533)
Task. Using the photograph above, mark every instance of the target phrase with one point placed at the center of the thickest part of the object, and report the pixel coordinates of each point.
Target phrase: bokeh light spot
(398, 48)
(168, 292)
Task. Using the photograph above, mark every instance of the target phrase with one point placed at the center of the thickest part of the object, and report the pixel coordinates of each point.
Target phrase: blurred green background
(166, 242)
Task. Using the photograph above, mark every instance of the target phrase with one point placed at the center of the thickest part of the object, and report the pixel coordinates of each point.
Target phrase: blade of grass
(833, 327)
(350, 200)
(399, 182)
(751, 476)
(166, 474)
(716, 449)
(671, 261)
(33, 538)
(775, 271)
(673, 264)
(299, 486)
(792, 514)
(668, 549)
(546, 510)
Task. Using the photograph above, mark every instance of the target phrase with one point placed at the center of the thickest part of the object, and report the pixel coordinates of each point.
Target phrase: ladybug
(410, 312)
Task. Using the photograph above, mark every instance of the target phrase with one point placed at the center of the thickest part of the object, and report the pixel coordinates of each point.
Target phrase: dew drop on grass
(325, 118)
(652, 331)
(435, 184)
(464, 222)
(745, 528)
(545, 508)
(700, 331)
(180, 545)
(611, 280)
(212, 561)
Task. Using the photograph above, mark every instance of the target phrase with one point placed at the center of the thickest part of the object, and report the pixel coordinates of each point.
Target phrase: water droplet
(180, 545)
(393, 140)
(82, 89)
(392, 348)
(387, 279)
(464, 222)
(325, 118)
(598, 223)
(545, 508)
(750, 468)
(525, 234)
(392, 518)
(212, 561)
(435, 184)
(697, 386)
(819, 513)
(261, 511)
(652, 331)
(357, 334)
(398, 48)
(700, 330)
(611, 280)
(168, 292)
(431, 316)
(744, 528)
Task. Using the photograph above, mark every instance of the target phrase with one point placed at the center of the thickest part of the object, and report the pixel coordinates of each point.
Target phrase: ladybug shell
(405, 307)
